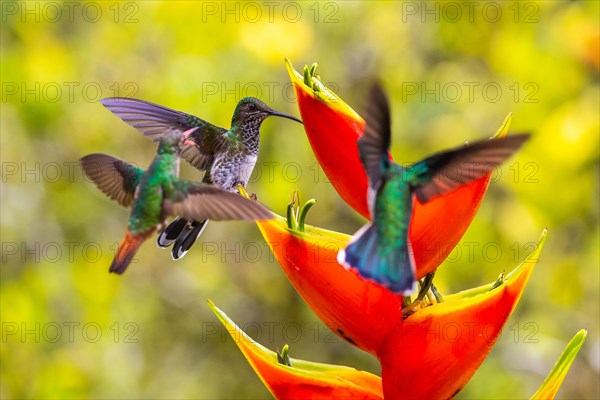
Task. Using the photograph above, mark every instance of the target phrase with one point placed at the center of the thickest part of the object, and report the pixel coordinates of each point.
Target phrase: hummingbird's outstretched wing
(374, 145)
(153, 120)
(200, 201)
(115, 178)
(445, 171)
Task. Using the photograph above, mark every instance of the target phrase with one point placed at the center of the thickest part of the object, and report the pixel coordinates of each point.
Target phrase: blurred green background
(454, 70)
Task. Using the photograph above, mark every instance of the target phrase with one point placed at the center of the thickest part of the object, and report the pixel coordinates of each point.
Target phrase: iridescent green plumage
(158, 193)
(392, 205)
(381, 250)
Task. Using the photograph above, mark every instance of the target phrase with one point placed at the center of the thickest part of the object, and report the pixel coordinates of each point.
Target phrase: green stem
(303, 212)
(291, 217)
(307, 80)
(284, 357)
(498, 281)
(438, 297)
(425, 285)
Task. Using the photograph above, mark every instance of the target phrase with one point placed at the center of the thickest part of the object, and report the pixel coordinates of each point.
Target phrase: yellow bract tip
(503, 130)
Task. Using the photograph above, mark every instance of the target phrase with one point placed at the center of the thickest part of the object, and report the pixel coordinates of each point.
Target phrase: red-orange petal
(303, 379)
(433, 353)
(360, 311)
(333, 128)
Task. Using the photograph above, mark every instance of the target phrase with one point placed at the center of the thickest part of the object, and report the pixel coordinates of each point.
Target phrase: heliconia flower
(430, 354)
(301, 379)
(369, 316)
(333, 127)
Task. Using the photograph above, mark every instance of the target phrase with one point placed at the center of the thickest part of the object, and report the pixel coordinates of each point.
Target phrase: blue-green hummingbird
(157, 193)
(227, 155)
(381, 250)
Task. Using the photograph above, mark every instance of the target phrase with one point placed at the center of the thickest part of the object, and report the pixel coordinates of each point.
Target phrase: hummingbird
(381, 249)
(157, 193)
(227, 156)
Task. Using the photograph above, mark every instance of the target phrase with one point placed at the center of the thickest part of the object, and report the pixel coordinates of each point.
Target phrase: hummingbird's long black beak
(280, 114)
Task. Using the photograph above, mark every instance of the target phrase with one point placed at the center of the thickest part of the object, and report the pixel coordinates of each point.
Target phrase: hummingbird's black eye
(252, 107)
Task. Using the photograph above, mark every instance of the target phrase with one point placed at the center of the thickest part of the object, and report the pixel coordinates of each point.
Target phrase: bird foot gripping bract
(158, 193)
(227, 156)
(381, 250)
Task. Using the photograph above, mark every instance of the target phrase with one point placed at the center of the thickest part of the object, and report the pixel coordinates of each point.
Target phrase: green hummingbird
(381, 250)
(157, 193)
(227, 155)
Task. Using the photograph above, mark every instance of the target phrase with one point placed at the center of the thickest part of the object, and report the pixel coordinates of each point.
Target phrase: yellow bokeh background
(454, 70)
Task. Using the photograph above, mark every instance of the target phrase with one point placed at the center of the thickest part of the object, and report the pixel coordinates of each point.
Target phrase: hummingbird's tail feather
(171, 232)
(392, 267)
(187, 238)
(127, 249)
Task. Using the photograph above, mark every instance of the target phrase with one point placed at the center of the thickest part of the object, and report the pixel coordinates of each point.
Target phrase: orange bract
(360, 311)
(304, 379)
(434, 352)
